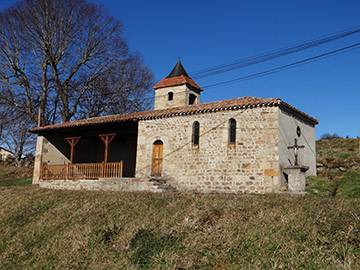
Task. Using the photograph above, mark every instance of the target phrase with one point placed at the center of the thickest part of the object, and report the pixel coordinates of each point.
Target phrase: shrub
(328, 136)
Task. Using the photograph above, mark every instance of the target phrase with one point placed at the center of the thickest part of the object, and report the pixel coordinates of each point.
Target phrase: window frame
(195, 134)
(232, 131)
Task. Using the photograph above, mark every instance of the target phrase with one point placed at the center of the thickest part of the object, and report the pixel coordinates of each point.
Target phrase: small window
(192, 99)
(196, 132)
(232, 130)
(170, 96)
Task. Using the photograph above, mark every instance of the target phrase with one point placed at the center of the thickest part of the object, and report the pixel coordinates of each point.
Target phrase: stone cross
(296, 147)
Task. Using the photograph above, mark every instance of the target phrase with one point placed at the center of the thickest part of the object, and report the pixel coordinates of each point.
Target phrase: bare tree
(59, 56)
(15, 125)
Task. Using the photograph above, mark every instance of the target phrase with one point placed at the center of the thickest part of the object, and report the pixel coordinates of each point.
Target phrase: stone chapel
(238, 145)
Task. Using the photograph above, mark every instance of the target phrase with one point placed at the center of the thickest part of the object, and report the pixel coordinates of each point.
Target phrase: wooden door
(157, 158)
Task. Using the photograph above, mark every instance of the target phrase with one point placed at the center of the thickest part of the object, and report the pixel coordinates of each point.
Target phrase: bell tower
(176, 90)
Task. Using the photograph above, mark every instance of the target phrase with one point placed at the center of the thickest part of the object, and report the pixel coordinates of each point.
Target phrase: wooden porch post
(72, 141)
(107, 138)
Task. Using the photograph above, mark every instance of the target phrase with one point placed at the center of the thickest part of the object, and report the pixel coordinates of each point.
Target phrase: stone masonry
(255, 163)
(180, 97)
(249, 165)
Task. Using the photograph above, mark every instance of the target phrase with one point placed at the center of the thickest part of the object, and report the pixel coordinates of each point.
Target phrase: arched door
(157, 158)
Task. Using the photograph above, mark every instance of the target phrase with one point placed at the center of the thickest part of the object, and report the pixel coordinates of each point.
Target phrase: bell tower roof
(178, 76)
(178, 70)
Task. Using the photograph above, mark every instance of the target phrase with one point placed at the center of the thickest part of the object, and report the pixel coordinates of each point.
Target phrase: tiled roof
(222, 105)
(180, 80)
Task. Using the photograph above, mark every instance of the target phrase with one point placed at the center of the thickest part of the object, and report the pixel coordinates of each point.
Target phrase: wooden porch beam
(72, 141)
(107, 138)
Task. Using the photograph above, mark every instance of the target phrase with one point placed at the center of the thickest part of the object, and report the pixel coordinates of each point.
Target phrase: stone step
(111, 184)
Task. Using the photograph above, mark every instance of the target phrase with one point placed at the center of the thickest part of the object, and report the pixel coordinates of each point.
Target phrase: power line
(288, 66)
(259, 74)
(211, 71)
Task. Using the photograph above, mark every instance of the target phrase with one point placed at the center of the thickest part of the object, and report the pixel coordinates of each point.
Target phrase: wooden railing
(81, 171)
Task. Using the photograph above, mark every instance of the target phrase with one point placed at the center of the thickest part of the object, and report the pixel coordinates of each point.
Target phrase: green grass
(339, 176)
(54, 229)
(349, 187)
(317, 186)
(16, 182)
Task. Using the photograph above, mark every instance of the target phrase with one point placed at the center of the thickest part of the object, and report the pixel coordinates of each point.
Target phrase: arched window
(232, 130)
(170, 96)
(196, 133)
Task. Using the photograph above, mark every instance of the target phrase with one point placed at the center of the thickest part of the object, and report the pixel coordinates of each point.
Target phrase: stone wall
(113, 184)
(180, 97)
(38, 159)
(248, 166)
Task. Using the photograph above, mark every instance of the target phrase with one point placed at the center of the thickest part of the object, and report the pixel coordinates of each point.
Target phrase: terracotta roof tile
(229, 104)
(173, 81)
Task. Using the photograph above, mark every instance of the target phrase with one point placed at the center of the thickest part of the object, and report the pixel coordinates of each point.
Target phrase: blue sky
(209, 33)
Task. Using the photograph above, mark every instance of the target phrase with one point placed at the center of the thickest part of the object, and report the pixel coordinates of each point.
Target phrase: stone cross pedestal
(296, 178)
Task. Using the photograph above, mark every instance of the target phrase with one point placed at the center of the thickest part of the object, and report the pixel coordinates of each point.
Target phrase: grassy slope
(14, 176)
(48, 229)
(335, 154)
(12, 172)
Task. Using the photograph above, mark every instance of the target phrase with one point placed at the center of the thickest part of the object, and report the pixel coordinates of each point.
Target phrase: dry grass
(13, 172)
(50, 229)
(338, 148)
(47, 229)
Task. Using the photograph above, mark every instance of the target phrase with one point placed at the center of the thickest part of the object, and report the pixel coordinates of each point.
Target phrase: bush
(328, 136)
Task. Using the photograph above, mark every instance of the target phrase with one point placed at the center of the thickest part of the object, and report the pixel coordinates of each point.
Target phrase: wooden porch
(82, 171)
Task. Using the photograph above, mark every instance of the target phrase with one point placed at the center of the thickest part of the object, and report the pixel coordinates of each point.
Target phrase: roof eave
(305, 117)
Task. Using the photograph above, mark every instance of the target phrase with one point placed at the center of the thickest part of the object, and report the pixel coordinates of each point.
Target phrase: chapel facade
(233, 146)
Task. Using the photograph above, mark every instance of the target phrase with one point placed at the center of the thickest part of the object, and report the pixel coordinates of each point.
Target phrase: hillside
(53, 229)
(338, 162)
(48, 229)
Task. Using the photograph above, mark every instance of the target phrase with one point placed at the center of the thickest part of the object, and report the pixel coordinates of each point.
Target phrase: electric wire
(211, 71)
(260, 74)
(288, 66)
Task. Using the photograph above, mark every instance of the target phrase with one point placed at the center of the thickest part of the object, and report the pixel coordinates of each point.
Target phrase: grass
(13, 172)
(338, 148)
(349, 187)
(16, 182)
(317, 186)
(340, 174)
(52, 229)
(55, 229)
